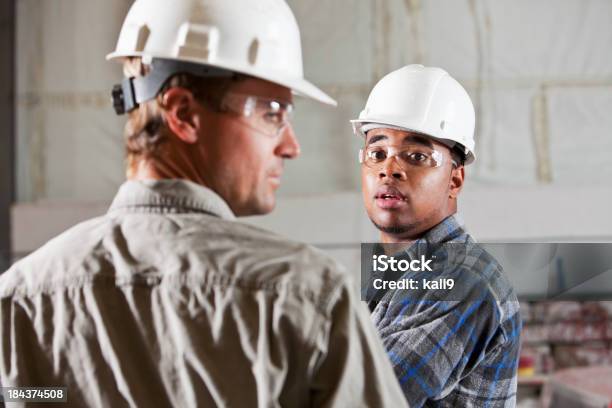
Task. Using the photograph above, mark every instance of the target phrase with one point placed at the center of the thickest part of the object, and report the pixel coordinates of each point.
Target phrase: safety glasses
(408, 156)
(268, 116)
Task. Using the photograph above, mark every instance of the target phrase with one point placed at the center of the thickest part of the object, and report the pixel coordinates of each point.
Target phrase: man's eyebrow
(375, 139)
(418, 140)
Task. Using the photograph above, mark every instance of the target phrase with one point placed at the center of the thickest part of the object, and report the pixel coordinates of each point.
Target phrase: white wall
(539, 72)
(69, 142)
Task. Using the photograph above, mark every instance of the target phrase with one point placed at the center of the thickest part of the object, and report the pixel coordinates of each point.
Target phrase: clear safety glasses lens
(269, 116)
(407, 156)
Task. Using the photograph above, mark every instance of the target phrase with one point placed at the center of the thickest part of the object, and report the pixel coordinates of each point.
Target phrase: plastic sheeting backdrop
(540, 74)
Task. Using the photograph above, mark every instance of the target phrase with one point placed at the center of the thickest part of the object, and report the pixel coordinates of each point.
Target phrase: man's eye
(418, 157)
(273, 117)
(377, 155)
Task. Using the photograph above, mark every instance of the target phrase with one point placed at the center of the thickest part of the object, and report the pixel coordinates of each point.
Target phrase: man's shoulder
(62, 252)
(489, 270)
(196, 246)
(269, 259)
(487, 278)
(477, 278)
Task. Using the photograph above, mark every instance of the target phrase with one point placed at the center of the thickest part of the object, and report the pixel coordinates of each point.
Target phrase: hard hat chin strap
(133, 91)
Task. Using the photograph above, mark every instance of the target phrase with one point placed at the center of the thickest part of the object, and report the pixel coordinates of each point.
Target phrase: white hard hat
(425, 100)
(258, 38)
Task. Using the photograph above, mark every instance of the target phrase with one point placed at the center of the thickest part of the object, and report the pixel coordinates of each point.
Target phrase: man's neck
(405, 240)
(142, 170)
(150, 169)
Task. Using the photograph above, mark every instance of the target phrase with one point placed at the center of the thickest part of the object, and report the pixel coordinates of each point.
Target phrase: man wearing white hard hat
(453, 333)
(167, 300)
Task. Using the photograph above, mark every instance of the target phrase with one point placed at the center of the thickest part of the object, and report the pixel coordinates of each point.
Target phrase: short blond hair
(145, 130)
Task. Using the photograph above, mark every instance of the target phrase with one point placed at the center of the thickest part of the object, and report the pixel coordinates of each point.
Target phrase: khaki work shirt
(167, 300)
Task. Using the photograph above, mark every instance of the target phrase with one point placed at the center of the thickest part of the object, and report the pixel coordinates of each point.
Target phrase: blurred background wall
(538, 71)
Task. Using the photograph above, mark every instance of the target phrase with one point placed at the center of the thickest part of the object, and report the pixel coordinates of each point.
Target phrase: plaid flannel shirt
(457, 350)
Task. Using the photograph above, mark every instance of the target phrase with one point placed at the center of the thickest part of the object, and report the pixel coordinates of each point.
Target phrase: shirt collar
(450, 229)
(170, 194)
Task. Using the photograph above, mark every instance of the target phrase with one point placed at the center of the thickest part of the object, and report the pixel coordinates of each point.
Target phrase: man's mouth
(388, 197)
(275, 178)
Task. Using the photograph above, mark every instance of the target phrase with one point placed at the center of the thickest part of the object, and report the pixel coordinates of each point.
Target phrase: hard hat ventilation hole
(142, 37)
(253, 50)
(442, 124)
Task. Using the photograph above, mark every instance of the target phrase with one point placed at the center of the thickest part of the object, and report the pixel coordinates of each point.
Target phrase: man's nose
(288, 147)
(392, 169)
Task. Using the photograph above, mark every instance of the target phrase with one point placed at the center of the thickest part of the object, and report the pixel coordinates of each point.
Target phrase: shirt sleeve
(434, 345)
(351, 368)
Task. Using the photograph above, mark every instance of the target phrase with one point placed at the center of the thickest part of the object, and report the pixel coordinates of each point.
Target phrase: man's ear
(456, 181)
(181, 113)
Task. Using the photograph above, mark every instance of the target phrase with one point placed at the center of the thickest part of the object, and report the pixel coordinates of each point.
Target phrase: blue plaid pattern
(459, 351)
